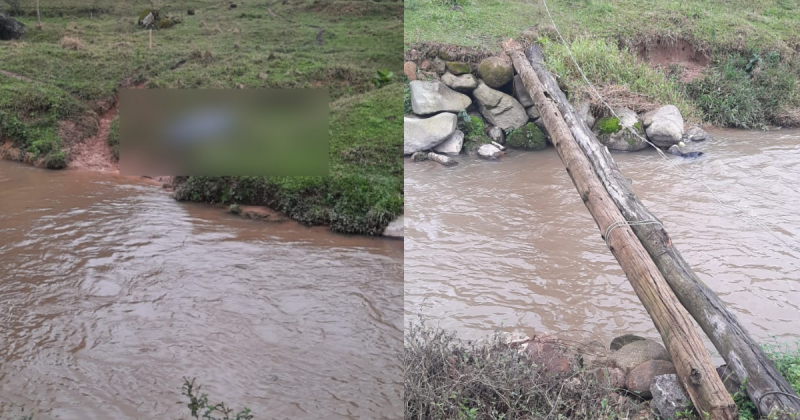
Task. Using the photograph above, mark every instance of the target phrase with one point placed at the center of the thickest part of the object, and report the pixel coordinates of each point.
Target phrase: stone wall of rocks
(464, 107)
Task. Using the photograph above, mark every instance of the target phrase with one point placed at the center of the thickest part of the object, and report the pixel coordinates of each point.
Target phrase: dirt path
(94, 153)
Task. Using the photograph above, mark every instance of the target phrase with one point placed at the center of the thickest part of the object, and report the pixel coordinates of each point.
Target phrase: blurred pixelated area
(224, 132)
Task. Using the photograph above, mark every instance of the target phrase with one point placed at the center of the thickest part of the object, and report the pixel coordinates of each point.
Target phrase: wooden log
(444, 160)
(731, 339)
(691, 360)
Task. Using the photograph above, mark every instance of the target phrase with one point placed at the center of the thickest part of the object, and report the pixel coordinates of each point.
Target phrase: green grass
(605, 35)
(219, 47)
(364, 191)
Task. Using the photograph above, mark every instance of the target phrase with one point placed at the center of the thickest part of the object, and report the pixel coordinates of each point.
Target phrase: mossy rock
(528, 137)
(458, 68)
(144, 14)
(165, 23)
(496, 71)
(472, 146)
(473, 128)
(609, 125)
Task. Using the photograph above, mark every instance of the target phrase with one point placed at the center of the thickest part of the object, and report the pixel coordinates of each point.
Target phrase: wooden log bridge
(692, 362)
(765, 386)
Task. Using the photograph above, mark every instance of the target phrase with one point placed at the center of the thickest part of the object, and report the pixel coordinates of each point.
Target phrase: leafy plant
(202, 409)
(382, 78)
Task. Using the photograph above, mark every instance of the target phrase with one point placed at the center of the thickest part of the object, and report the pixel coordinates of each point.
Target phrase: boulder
(550, 355)
(458, 68)
(613, 132)
(434, 96)
(426, 133)
(664, 126)
(521, 93)
(497, 135)
(453, 144)
(496, 71)
(10, 28)
(489, 152)
(395, 228)
(636, 353)
(462, 83)
(696, 133)
(528, 137)
(410, 70)
(668, 396)
(643, 376)
(419, 156)
(609, 376)
(624, 340)
(438, 66)
(499, 108)
(533, 113)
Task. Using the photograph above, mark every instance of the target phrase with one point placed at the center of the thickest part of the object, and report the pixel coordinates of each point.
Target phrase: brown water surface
(111, 292)
(510, 244)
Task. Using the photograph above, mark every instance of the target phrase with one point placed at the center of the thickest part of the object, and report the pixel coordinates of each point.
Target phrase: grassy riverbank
(58, 86)
(748, 52)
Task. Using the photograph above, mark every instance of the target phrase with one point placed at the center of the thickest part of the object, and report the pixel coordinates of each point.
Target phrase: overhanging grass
(364, 191)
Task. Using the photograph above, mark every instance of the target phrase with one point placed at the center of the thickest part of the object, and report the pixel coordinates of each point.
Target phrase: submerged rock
(462, 83)
(498, 108)
(432, 97)
(10, 28)
(696, 133)
(613, 132)
(453, 144)
(426, 133)
(489, 152)
(496, 71)
(664, 126)
(668, 396)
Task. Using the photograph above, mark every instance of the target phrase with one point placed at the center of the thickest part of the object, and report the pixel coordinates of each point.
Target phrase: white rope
(660, 152)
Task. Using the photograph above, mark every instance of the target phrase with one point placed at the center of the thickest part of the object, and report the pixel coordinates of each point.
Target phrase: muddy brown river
(509, 245)
(111, 292)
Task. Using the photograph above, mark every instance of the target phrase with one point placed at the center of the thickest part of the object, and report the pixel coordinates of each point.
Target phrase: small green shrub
(382, 78)
(609, 125)
(56, 160)
(473, 127)
(528, 137)
(202, 409)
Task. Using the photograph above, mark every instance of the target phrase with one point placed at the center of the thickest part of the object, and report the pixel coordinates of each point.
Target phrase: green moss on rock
(473, 127)
(528, 137)
(495, 71)
(609, 125)
(165, 23)
(458, 68)
(56, 160)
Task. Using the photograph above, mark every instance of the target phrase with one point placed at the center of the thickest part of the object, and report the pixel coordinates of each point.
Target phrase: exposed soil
(680, 57)
(94, 153)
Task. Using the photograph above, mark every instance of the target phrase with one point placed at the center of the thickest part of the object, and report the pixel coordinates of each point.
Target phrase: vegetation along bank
(59, 84)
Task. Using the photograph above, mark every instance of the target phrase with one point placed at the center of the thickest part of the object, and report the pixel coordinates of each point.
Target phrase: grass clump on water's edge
(364, 191)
